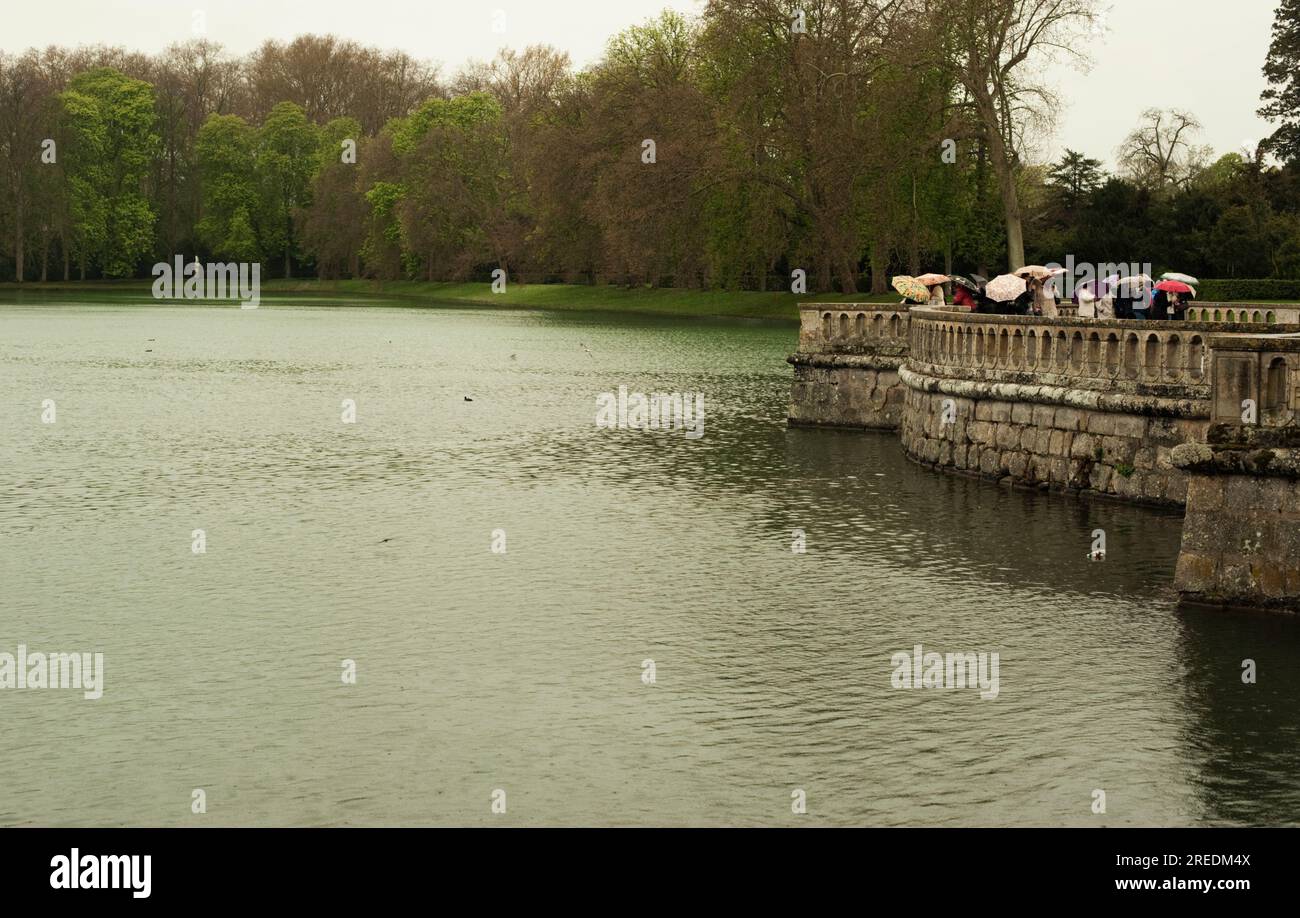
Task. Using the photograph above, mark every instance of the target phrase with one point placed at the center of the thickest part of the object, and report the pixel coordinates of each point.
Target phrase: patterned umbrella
(931, 279)
(1006, 288)
(1037, 272)
(911, 289)
(971, 285)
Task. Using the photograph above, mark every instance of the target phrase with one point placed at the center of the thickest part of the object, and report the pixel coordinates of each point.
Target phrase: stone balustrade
(853, 328)
(1162, 358)
(1256, 380)
(1244, 313)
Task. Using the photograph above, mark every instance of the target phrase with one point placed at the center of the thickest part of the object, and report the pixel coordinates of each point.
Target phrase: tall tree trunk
(848, 276)
(20, 256)
(1001, 159)
(879, 268)
(914, 243)
(45, 255)
(823, 271)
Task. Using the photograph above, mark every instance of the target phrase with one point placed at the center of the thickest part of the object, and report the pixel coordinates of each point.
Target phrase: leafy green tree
(1075, 176)
(287, 156)
(1282, 70)
(230, 188)
(110, 124)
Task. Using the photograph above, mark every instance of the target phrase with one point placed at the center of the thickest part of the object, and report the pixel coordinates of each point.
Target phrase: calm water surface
(475, 671)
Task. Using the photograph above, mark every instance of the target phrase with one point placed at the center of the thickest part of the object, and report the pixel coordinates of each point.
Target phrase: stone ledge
(1093, 400)
(1205, 459)
(847, 361)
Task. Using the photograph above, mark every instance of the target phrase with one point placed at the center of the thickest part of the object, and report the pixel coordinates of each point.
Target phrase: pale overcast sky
(1204, 56)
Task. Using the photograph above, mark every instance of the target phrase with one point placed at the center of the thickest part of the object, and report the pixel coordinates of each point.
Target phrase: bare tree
(1159, 153)
(997, 49)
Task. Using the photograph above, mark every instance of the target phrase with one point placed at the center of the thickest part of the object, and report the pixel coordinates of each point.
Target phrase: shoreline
(775, 306)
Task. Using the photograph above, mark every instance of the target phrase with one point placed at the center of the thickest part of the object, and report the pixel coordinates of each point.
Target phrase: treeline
(847, 138)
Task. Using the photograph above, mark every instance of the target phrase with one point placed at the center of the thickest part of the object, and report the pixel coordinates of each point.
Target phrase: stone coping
(847, 360)
(1203, 458)
(856, 307)
(933, 313)
(1286, 342)
(918, 307)
(915, 377)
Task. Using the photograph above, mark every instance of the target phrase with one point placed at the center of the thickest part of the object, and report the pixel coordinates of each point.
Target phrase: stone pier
(1136, 411)
(1241, 532)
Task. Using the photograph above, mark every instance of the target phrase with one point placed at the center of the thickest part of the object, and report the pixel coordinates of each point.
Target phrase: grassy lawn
(566, 297)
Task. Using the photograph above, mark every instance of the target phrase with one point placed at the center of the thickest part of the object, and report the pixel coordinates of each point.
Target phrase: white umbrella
(1005, 288)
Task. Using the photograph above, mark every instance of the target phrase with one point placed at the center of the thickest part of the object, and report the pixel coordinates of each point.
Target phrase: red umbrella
(1174, 287)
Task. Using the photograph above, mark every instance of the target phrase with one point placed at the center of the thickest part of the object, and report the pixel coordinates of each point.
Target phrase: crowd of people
(1033, 290)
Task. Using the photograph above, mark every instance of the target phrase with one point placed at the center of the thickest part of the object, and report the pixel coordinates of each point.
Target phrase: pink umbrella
(1174, 287)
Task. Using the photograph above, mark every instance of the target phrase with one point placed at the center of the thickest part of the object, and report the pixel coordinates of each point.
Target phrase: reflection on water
(370, 542)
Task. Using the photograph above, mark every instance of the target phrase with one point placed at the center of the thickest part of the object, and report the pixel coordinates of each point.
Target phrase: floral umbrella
(931, 279)
(972, 285)
(911, 288)
(1005, 288)
(1037, 272)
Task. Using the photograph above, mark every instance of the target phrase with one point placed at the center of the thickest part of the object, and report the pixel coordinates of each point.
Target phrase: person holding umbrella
(1128, 293)
(965, 292)
(1006, 290)
(913, 291)
(934, 282)
(1170, 294)
(1036, 278)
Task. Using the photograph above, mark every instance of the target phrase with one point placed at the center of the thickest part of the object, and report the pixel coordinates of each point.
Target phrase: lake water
(522, 671)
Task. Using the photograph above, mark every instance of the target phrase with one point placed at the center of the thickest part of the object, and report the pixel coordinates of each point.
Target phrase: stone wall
(835, 394)
(846, 369)
(1044, 445)
(1066, 404)
(1241, 534)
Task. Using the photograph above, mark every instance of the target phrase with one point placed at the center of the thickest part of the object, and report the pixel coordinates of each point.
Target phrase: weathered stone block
(1084, 446)
(1067, 419)
(981, 432)
(1128, 425)
(1101, 422)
